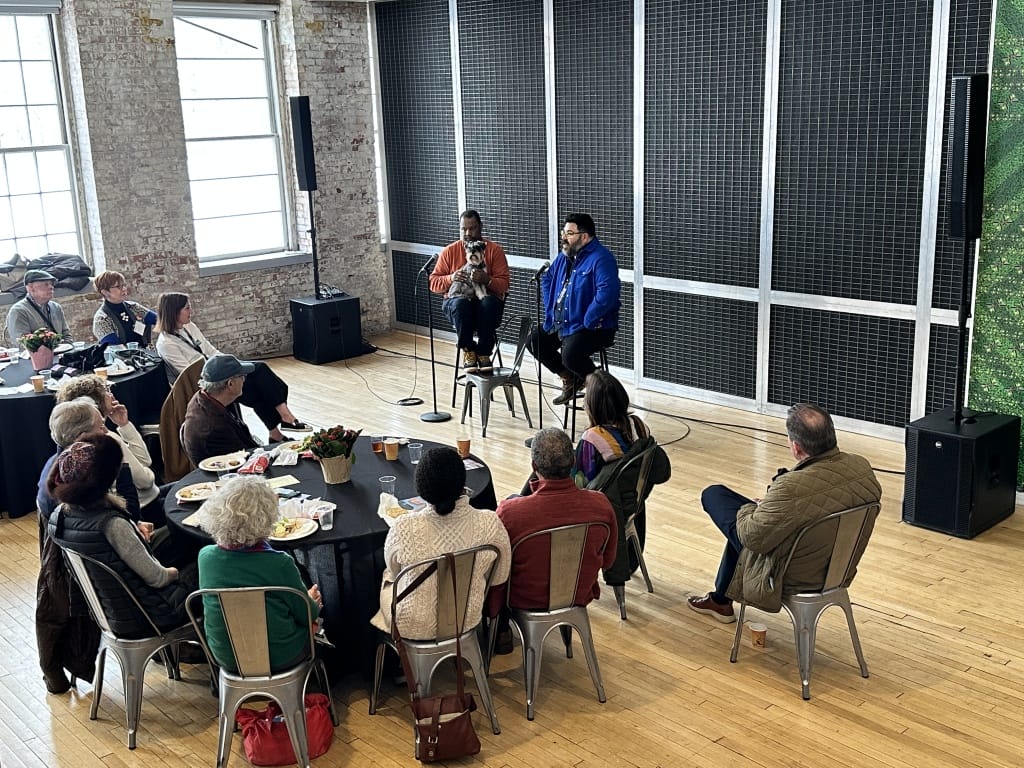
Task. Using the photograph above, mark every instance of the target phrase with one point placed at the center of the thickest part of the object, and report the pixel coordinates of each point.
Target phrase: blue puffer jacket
(592, 301)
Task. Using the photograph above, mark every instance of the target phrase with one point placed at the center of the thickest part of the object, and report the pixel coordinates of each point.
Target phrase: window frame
(288, 252)
(50, 8)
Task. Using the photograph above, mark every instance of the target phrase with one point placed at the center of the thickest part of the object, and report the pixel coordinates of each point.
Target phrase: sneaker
(484, 364)
(717, 611)
(469, 361)
(571, 386)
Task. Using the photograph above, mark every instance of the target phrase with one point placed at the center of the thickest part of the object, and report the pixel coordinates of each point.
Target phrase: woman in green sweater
(240, 517)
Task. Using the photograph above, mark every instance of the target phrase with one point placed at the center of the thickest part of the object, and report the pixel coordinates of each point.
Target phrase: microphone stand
(538, 329)
(434, 415)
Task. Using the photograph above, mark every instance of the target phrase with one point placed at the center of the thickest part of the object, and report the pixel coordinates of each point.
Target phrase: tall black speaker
(968, 120)
(325, 330)
(302, 136)
(961, 480)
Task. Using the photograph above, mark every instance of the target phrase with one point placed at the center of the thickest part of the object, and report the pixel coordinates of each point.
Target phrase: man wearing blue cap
(37, 310)
(213, 425)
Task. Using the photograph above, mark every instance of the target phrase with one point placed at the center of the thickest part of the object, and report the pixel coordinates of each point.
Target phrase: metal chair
(572, 406)
(133, 654)
(565, 559)
(245, 619)
(460, 375)
(849, 531)
(507, 378)
(426, 655)
(630, 481)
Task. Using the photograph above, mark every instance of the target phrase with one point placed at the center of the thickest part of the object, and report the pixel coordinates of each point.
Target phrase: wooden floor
(939, 619)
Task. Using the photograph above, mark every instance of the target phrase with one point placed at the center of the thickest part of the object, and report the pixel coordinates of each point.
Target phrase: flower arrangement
(41, 337)
(335, 441)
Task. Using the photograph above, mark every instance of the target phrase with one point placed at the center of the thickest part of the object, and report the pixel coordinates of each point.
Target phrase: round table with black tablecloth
(25, 442)
(348, 561)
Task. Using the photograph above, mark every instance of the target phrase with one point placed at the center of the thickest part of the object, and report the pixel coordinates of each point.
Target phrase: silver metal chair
(506, 378)
(459, 376)
(452, 610)
(852, 529)
(133, 654)
(631, 480)
(565, 559)
(245, 618)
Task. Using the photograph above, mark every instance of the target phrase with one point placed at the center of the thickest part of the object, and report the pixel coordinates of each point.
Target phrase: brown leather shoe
(503, 643)
(717, 611)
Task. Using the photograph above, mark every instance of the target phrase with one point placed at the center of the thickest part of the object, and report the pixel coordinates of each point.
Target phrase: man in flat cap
(213, 425)
(37, 309)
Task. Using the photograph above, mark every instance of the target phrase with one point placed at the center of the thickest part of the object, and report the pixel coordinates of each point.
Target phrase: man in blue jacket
(581, 306)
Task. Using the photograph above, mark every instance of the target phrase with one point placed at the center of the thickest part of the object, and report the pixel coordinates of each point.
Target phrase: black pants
(571, 353)
(263, 390)
(722, 504)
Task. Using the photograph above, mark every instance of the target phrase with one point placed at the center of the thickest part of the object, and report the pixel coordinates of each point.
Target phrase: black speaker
(968, 121)
(961, 481)
(325, 330)
(302, 135)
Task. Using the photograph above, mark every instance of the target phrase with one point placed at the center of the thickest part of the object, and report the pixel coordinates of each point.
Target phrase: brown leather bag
(444, 724)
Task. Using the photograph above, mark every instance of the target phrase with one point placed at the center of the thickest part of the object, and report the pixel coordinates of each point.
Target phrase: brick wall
(126, 115)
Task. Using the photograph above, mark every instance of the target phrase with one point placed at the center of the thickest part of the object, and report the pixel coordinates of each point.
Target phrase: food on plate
(217, 463)
(286, 526)
(294, 445)
(395, 511)
(197, 492)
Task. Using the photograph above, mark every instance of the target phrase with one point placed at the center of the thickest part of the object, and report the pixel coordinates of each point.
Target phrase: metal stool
(571, 405)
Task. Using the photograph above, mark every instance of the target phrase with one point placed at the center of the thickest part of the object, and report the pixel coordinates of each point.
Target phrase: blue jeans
(722, 504)
(470, 316)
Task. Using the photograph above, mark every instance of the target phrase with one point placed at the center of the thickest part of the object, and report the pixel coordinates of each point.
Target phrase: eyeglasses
(570, 234)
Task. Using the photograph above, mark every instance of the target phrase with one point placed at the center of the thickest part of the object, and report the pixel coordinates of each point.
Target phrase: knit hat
(75, 462)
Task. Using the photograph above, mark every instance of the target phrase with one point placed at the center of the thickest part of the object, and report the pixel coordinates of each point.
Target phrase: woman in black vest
(92, 521)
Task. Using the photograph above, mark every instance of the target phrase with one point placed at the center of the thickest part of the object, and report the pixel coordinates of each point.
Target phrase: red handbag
(265, 734)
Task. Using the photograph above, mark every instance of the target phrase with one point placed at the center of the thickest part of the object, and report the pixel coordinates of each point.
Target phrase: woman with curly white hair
(240, 517)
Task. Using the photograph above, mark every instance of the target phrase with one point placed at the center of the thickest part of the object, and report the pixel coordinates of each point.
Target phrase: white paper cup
(758, 635)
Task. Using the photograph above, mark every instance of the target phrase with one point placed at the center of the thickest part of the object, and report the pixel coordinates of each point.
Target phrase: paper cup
(37, 382)
(391, 449)
(101, 372)
(758, 635)
(463, 444)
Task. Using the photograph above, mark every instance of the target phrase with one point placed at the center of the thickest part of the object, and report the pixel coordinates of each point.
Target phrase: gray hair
(213, 387)
(240, 513)
(552, 454)
(72, 419)
(811, 427)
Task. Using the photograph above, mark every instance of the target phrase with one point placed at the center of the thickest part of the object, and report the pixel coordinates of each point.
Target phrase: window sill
(250, 263)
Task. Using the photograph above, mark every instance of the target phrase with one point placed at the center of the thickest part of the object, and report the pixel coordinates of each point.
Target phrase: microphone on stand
(540, 272)
(429, 264)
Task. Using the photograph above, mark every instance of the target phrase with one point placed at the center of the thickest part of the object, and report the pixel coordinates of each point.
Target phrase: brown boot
(570, 386)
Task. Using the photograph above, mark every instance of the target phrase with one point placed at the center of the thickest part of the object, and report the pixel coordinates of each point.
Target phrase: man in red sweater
(555, 501)
(481, 316)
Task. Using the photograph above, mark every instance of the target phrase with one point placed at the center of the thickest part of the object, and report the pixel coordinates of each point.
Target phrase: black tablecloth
(25, 442)
(348, 561)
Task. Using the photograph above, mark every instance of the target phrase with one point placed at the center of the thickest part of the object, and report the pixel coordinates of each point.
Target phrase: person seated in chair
(580, 295)
(181, 343)
(212, 424)
(37, 309)
(240, 517)
(136, 454)
(478, 308)
(759, 533)
(555, 501)
(92, 521)
(447, 524)
(119, 321)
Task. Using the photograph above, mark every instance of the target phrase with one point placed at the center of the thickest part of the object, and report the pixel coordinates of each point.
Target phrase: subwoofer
(961, 480)
(325, 330)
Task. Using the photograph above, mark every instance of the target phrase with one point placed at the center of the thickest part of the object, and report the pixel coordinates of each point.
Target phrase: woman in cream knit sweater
(447, 524)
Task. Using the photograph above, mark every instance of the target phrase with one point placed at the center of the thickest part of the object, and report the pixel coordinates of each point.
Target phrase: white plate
(120, 371)
(62, 348)
(226, 463)
(195, 492)
(292, 445)
(52, 385)
(306, 527)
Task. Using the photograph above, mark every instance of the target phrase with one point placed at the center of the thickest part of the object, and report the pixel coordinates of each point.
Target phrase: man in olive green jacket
(760, 533)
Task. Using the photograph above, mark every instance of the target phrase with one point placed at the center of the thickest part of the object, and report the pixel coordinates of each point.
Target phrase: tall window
(38, 212)
(229, 102)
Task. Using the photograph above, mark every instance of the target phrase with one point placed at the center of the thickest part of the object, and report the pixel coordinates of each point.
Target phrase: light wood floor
(939, 619)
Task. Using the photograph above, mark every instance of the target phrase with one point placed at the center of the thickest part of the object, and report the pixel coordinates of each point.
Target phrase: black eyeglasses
(570, 234)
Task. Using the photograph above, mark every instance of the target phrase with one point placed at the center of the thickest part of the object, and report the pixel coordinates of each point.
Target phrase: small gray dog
(474, 261)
